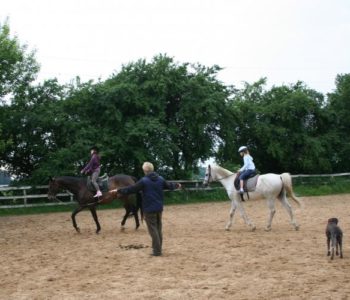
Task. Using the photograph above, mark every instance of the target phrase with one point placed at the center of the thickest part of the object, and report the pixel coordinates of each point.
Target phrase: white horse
(269, 186)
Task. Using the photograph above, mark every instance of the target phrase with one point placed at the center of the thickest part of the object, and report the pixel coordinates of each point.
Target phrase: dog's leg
(341, 247)
(328, 245)
(336, 248)
(333, 243)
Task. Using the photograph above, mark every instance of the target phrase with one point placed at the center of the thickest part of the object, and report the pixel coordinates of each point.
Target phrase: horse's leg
(136, 216)
(127, 212)
(271, 205)
(74, 213)
(94, 215)
(232, 213)
(288, 207)
(244, 215)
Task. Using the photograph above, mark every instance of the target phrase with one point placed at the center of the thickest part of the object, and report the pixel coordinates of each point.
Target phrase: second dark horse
(78, 187)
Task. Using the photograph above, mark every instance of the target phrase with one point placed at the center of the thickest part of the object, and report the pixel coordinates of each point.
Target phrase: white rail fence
(17, 197)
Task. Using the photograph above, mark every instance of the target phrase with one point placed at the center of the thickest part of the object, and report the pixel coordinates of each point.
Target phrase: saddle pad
(251, 183)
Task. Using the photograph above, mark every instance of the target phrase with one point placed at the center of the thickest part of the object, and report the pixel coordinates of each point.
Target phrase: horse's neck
(71, 184)
(223, 173)
(226, 177)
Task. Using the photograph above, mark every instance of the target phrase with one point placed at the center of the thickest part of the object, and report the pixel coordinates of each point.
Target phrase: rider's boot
(98, 194)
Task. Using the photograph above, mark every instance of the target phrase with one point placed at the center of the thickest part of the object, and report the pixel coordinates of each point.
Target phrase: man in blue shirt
(152, 186)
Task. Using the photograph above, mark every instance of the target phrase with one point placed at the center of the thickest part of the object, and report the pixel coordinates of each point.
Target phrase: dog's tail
(287, 185)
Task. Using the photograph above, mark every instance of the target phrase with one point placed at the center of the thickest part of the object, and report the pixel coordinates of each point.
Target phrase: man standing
(152, 186)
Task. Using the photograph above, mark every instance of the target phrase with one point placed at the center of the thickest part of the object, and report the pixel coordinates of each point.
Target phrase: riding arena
(43, 257)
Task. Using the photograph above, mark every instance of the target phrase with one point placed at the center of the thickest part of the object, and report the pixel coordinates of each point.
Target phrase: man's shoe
(156, 254)
(98, 194)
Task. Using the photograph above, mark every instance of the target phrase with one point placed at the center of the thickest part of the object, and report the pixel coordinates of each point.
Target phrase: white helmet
(242, 148)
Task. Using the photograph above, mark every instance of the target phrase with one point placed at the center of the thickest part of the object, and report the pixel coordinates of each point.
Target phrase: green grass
(321, 186)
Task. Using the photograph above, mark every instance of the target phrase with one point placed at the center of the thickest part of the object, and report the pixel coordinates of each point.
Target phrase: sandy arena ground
(42, 257)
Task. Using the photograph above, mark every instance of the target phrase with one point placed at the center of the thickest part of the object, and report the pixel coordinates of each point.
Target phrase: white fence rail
(24, 194)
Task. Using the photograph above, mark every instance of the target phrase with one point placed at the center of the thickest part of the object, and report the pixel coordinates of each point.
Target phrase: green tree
(18, 67)
(161, 111)
(285, 127)
(339, 108)
(30, 124)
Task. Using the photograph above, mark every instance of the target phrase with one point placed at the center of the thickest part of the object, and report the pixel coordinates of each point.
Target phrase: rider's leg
(94, 178)
(241, 178)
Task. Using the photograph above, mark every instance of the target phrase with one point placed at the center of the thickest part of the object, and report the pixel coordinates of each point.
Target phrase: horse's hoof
(253, 228)
(98, 231)
(122, 228)
(77, 229)
(296, 227)
(268, 229)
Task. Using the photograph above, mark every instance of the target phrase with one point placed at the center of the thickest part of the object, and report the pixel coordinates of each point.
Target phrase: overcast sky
(283, 40)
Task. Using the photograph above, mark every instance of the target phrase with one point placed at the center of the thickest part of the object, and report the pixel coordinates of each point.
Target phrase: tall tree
(339, 108)
(18, 67)
(30, 124)
(161, 111)
(285, 127)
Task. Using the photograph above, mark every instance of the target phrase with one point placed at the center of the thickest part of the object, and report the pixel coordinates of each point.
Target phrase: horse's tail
(287, 184)
(139, 204)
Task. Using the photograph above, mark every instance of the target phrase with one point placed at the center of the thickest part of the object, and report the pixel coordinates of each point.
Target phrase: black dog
(334, 235)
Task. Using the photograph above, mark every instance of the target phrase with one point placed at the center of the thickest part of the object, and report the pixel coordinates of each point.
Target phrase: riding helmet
(242, 148)
(94, 148)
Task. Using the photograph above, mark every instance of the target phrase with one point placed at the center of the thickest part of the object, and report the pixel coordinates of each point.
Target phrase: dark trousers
(154, 225)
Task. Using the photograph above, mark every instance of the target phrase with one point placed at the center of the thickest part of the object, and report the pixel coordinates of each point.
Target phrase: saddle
(102, 182)
(249, 184)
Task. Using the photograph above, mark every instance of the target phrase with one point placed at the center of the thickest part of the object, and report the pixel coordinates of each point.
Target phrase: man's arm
(171, 185)
(132, 189)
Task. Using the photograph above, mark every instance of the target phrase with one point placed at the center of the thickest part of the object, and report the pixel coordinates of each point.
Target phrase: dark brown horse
(79, 188)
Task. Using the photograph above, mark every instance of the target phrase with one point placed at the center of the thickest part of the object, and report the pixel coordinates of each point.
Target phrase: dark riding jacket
(93, 164)
(152, 186)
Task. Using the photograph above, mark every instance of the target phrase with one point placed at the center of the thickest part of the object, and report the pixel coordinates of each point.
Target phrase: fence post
(25, 197)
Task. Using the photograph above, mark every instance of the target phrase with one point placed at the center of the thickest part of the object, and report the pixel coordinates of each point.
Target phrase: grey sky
(283, 40)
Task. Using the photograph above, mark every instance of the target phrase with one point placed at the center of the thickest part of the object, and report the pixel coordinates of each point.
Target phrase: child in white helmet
(248, 167)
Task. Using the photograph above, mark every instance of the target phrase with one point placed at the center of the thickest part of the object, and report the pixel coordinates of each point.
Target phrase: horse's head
(208, 176)
(53, 189)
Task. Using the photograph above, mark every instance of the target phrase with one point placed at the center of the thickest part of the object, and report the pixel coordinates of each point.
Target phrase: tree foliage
(339, 108)
(18, 67)
(285, 128)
